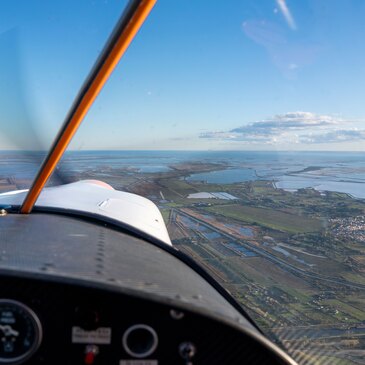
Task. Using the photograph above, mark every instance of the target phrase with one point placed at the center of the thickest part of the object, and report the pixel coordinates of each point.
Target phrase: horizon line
(180, 150)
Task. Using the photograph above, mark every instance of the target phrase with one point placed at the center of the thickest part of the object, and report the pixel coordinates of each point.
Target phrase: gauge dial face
(20, 332)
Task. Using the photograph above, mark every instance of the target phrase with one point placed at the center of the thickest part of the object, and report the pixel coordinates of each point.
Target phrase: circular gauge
(20, 332)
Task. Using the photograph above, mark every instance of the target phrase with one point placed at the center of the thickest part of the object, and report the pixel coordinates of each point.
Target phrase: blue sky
(236, 75)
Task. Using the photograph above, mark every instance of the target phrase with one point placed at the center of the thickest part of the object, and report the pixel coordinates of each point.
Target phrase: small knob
(187, 351)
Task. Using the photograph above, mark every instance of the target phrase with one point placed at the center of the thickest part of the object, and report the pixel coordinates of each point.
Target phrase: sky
(204, 75)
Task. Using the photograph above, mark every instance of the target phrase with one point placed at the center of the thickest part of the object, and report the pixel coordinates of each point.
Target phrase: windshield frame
(124, 32)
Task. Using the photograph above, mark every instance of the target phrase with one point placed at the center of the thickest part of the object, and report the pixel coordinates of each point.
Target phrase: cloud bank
(294, 127)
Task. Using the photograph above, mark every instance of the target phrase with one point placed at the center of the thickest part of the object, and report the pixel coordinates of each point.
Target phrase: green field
(165, 214)
(346, 308)
(269, 218)
(179, 187)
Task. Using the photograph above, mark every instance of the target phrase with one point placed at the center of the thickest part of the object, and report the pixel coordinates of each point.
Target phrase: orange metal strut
(121, 38)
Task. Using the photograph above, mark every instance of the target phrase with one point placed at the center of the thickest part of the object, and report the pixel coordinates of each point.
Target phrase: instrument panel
(56, 323)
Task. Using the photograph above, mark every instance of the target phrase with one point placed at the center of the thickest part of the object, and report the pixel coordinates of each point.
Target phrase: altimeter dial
(20, 332)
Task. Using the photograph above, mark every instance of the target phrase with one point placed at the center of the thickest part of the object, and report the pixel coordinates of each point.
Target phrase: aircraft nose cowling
(99, 198)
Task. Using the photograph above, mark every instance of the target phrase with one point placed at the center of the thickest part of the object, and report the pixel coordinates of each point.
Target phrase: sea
(324, 171)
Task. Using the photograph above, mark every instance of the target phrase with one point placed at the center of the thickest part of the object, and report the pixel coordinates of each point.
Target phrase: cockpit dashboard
(77, 291)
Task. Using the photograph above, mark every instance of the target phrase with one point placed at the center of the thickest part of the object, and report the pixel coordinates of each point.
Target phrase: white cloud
(290, 55)
(293, 128)
(286, 13)
(292, 120)
(336, 136)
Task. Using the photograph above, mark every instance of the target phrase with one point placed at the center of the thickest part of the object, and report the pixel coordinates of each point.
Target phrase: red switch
(90, 354)
(89, 358)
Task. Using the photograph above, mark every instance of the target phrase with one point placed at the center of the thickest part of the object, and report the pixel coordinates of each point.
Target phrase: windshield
(244, 122)
(47, 50)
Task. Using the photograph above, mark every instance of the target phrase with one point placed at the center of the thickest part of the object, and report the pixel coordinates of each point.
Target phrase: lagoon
(229, 176)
